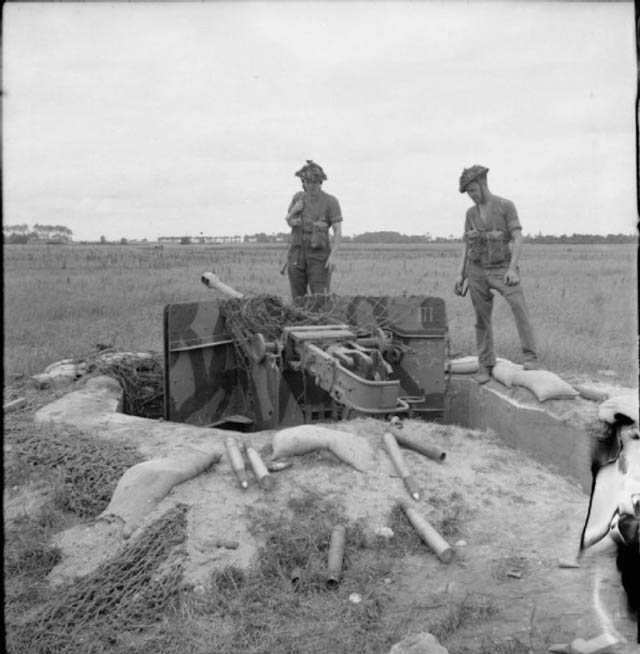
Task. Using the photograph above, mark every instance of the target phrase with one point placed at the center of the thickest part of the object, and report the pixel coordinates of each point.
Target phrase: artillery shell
(412, 486)
(429, 535)
(395, 454)
(236, 461)
(295, 575)
(416, 443)
(393, 450)
(259, 469)
(277, 466)
(336, 554)
(15, 405)
(226, 543)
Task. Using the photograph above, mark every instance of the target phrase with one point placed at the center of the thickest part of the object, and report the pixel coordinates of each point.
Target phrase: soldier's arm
(337, 238)
(462, 271)
(516, 248)
(295, 208)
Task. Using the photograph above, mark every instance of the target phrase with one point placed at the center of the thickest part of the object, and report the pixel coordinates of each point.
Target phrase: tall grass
(60, 301)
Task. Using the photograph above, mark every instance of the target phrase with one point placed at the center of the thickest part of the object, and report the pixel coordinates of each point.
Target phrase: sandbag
(504, 370)
(463, 365)
(627, 405)
(142, 486)
(590, 392)
(544, 384)
(469, 365)
(352, 449)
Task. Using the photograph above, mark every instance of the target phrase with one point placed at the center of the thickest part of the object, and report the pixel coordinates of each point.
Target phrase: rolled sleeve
(511, 217)
(334, 214)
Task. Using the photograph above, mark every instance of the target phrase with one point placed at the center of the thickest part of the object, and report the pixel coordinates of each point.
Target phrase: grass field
(60, 301)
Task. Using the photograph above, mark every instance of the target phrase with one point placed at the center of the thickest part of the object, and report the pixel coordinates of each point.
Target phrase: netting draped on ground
(142, 379)
(88, 470)
(128, 592)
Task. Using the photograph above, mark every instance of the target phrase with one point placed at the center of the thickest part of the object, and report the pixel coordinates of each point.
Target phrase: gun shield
(336, 554)
(236, 461)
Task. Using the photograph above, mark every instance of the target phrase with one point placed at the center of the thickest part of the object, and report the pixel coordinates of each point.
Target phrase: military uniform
(488, 259)
(310, 246)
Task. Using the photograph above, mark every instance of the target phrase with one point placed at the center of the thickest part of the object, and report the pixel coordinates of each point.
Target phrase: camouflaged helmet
(470, 174)
(311, 172)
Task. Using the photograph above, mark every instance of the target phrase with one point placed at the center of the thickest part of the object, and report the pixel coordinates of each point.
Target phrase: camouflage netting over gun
(127, 593)
(269, 315)
(141, 377)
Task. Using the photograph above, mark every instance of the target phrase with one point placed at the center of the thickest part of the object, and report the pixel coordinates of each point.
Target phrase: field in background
(61, 301)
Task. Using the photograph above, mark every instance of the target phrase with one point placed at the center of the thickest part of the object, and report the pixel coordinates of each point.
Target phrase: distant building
(201, 239)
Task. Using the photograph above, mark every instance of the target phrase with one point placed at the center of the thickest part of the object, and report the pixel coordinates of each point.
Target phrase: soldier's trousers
(307, 271)
(481, 283)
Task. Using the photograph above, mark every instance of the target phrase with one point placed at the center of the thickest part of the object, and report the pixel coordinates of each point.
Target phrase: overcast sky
(149, 119)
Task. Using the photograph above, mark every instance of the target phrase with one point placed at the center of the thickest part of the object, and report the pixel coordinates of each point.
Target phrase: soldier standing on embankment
(492, 249)
(311, 212)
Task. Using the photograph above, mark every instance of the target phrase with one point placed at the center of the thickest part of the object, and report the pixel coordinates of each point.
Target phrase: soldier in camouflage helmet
(311, 213)
(492, 249)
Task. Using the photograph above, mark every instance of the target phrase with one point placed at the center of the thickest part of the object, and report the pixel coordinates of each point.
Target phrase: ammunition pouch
(319, 236)
(495, 247)
(487, 248)
(475, 245)
(296, 239)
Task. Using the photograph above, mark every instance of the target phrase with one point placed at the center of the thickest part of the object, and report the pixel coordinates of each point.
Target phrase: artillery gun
(254, 362)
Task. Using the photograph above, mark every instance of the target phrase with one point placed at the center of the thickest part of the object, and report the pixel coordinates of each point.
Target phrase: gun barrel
(212, 281)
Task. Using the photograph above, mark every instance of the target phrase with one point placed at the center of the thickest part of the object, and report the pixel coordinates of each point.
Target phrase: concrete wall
(548, 439)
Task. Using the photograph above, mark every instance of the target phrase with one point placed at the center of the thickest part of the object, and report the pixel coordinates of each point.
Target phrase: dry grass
(61, 301)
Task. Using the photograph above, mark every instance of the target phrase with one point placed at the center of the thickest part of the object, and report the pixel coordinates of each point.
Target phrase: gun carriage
(257, 363)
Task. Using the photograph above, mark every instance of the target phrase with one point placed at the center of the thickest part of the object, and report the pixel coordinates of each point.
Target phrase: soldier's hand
(298, 206)
(457, 287)
(511, 278)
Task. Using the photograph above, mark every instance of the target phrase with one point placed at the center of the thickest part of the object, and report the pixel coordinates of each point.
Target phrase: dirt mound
(509, 519)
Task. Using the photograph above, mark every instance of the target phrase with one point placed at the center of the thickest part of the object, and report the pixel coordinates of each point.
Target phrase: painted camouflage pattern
(206, 383)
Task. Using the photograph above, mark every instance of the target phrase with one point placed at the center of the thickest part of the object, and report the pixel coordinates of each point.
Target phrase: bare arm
(337, 238)
(462, 271)
(511, 277)
(292, 217)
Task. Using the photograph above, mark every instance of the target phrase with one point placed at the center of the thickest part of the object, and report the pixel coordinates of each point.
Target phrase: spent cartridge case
(414, 442)
(259, 469)
(393, 450)
(336, 555)
(429, 534)
(295, 576)
(236, 461)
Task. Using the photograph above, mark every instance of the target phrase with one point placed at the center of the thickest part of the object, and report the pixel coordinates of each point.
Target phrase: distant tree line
(47, 233)
(61, 234)
(388, 237)
(582, 239)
